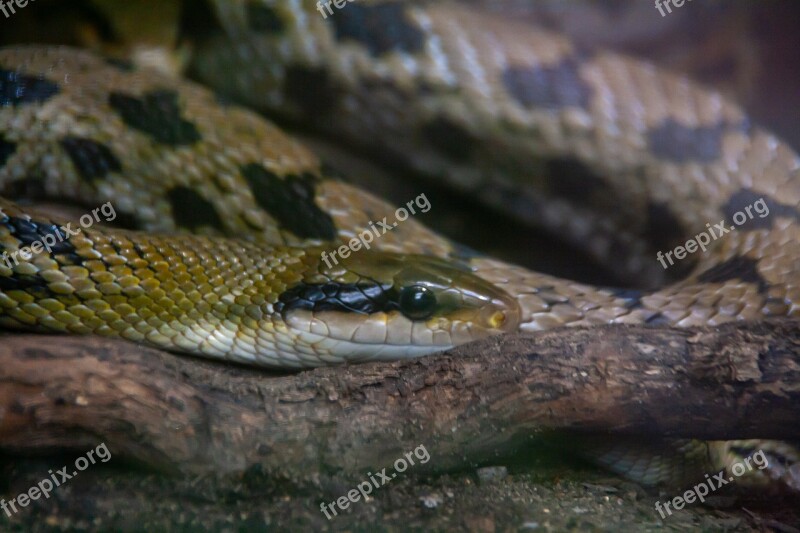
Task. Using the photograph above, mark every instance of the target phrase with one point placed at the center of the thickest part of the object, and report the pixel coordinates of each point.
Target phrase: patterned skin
(663, 153)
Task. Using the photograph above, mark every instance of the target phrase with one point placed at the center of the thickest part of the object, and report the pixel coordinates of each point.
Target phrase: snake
(224, 221)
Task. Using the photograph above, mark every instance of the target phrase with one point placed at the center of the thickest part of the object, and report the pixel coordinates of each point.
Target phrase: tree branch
(194, 416)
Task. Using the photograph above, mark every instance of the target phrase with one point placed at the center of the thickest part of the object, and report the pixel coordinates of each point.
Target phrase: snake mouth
(396, 305)
(390, 336)
(395, 329)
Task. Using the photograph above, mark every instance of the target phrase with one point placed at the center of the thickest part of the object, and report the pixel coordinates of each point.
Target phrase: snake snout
(485, 312)
(393, 306)
(450, 302)
(503, 316)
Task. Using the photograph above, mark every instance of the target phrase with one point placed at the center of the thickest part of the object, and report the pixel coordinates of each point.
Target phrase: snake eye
(417, 302)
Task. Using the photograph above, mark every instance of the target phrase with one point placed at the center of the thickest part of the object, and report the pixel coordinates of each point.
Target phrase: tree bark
(195, 416)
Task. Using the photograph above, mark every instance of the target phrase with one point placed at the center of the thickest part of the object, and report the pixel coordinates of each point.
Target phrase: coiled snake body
(492, 101)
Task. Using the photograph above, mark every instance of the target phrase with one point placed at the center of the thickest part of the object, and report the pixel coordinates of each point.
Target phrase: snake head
(379, 305)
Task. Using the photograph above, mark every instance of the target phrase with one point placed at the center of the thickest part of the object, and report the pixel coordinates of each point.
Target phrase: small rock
(431, 501)
(530, 525)
(490, 474)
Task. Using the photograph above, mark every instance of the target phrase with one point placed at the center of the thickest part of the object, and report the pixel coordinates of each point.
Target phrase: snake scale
(234, 215)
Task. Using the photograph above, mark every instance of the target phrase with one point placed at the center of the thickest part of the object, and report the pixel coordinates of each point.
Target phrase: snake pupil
(417, 302)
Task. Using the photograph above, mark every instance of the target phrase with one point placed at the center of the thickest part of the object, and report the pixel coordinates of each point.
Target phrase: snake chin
(335, 337)
(331, 350)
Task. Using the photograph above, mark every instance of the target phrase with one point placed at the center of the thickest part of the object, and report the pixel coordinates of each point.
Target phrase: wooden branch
(195, 416)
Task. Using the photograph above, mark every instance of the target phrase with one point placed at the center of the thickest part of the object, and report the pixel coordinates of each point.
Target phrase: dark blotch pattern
(451, 139)
(311, 90)
(552, 87)
(18, 89)
(663, 226)
(682, 144)
(92, 159)
(191, 210)
(572, 179)
(126, 221)
(380, 28)
(35, 284)
(30, 187)
(290, 200)
(664, 231)
(263, 19)
(742, 268)
(156, 114)
(364, 298)
(7, 149)
(744, 198)
(30, 231)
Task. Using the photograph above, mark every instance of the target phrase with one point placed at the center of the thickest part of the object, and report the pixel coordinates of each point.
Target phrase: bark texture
(199, 417)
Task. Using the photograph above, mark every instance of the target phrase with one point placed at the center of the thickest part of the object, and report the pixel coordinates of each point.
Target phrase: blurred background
(748, 50)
